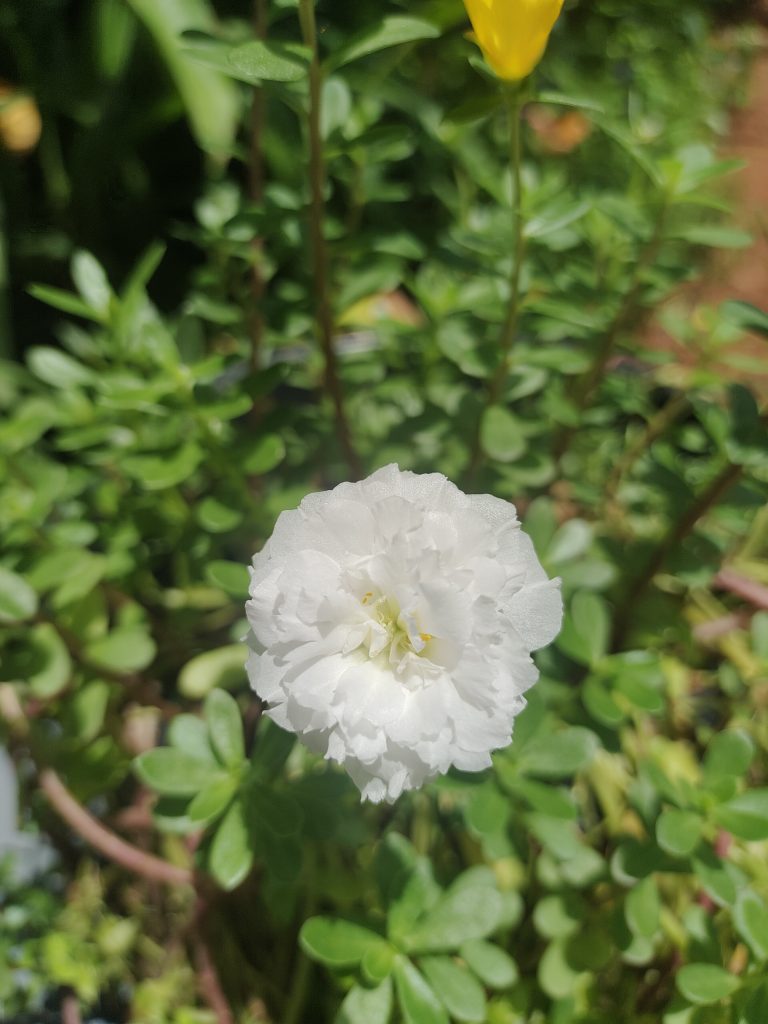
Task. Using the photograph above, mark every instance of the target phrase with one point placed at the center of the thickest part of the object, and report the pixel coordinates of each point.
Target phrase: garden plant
(347, 258)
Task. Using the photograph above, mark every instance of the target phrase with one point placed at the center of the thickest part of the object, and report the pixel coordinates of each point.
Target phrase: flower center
(392, 632)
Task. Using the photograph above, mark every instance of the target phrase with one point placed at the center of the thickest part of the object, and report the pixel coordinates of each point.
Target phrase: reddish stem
(208, 979)
(106, 842)
(750, 590)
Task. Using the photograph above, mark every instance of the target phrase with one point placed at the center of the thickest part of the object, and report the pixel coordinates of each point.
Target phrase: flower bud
(513, 33)
(20, 123)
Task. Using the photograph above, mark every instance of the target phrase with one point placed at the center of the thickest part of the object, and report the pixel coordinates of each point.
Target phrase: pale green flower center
(396, 633)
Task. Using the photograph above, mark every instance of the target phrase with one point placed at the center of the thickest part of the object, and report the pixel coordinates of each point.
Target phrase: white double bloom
(392, 623)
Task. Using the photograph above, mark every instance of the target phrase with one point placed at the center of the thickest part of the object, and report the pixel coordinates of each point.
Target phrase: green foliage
(161, 402)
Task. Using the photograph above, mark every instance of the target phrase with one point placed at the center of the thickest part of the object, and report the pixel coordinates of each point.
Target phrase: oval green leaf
(705, 983)
(18, 600)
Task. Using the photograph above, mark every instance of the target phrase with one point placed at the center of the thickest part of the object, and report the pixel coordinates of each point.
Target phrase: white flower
(392, 623)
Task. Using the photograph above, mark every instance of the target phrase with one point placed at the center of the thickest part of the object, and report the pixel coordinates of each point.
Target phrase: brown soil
(741, 274)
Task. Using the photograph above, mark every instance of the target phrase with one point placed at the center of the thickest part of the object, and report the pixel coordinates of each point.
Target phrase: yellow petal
(513, 33)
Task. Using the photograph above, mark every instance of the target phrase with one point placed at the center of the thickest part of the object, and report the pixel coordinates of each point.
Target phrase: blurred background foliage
(162, 400)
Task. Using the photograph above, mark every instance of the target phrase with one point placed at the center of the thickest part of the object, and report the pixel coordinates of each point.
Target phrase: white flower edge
(392, 622)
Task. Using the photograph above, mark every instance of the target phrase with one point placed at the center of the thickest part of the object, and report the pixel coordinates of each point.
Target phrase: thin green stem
(628, 312)
(320, 255)
(6, 335)
(256, 191)
(676, 534)
(655, 428)
(303, 966)
(497, 381)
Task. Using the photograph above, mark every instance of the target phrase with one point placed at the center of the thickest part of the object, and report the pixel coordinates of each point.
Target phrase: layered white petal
(392, 623)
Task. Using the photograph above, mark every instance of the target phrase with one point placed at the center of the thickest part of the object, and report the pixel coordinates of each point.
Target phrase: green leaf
(459, 992)
(212, 800)
(557, 218)
(501, 435)
(260, 61)
(172, 772)
(378, 963)
(489, 810)
(336, 106)
(215, 517)
(750, 915)
(729, 754)
(57, 567)
(283, 856)
(335, 942)
(572, 540)
(223, 668)
(678, 832)
(715, 876)
(125, 649)
(642, 908)
(40, 659)
(83, 714)
(280, 813)
(18, 601)
(492, 965)
(578, 864)
(411, 892)
(389, 31)
(189, 734)
(601, 703)
(746, 316)
(56, 368)
(159, 472)
(559, 755)
(556, 976)
(367, 1005)
(211, 101)
(91, 281)
(705, 983)
(756, 1008)
(66, 302)
(716, 235)
(231, 577)
(418, 1003)
(271, 750)
(265, 454)
(464, 912)
(586, 630)
(564, 100)
(746, 815)
(559, 916)
(555, 801)
(170, 815)
(231, 854)
(90, 571)
(225, 726)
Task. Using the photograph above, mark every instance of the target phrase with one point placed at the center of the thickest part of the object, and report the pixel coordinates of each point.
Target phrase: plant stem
(82, 821)
(208, 980)
(677, 533)
(744, 587)
(514, 97)
(70, 1009)
(628, 311)
(6, 335)
(654, 429)
(320, 254)
(302, 971)
(256, 190)
(105, 841)
(299, 984)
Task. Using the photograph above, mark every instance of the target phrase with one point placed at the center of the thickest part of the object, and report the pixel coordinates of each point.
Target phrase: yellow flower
(20, 123)
(513, 33)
